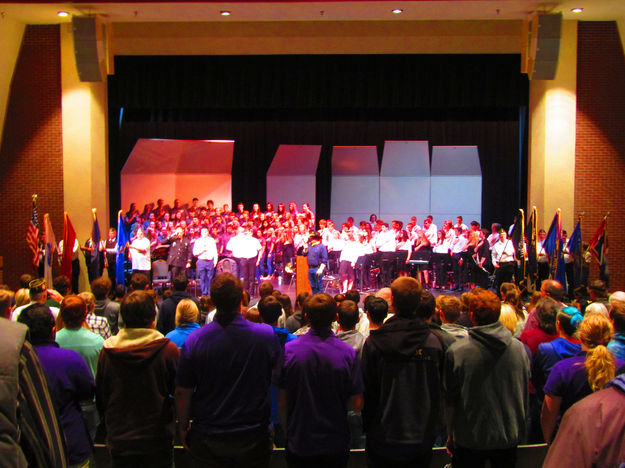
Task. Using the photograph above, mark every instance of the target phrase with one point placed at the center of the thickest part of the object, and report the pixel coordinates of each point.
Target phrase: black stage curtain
(264, 101)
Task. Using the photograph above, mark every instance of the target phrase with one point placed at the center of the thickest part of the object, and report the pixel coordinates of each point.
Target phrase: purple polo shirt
(230, 365)
(70, 381)
(569, 381)
(320, 373)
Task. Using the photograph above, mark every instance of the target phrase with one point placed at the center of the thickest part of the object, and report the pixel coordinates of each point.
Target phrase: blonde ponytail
(595, 333)
(600, 367)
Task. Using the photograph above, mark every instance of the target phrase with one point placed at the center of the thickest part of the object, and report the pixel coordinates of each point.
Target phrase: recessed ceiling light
(62, 14)
(224, 13)
(398, 11)
(577, 10)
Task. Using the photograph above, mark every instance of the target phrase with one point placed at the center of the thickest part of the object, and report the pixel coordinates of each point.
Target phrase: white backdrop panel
(405, 159)
(404, 196)
(297, 188)
(292, 175)
(216, 187)
(355, 182)
(455, 160)
(295, 160)
(354, 196)
(147, 188)
(456, 195)
(169, 169)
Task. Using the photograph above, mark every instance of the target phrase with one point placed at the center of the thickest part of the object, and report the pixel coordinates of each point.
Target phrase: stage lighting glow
(398, 11)
(577, 10)
(224, 13)
(62, 14)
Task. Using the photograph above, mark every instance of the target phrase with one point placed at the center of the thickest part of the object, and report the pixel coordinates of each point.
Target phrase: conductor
(317, 261)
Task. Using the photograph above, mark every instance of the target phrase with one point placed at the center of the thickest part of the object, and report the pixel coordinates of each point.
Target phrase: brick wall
(600, 139)
(31, 155)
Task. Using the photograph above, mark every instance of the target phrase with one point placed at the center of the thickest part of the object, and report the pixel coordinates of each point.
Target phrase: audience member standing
(224, 374)
(74, 335)
(485, 380)
(401, 359)
(320, 381)
(186, 321)
(167, 315)
(134, 384)
(30, 436)
(69, 379)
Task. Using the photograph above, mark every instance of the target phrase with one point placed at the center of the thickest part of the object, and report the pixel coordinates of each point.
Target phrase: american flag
(32, 233)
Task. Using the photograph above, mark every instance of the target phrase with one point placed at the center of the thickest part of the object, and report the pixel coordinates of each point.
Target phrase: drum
(227, 265)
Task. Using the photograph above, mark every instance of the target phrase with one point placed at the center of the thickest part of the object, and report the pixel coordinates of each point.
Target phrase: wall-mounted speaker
(86, 48)
(542, 40)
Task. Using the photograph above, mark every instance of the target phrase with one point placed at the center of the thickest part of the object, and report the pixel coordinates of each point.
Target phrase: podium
(301, 275)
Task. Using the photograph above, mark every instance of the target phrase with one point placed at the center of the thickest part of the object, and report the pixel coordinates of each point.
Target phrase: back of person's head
(22, 297)
(25, 279)
(599, 288)
(206, 304)
(100, 287)
(617, 314)
(595, 332)
(37, 290)
(252, 315)
(300, 299)
(265, 289)
(39, 320)
(508, 317)
(137, 310)
(186, 312)
(569, 320)
(513, 297)
(6, 299)
(386, 294)
(617, 296)
(596, 308)
(226, 292)
(484, 307)
(89, 299)
(180, 282)
(553, 289)
(62, 284)
(427, 306)
(406, 295)
(348, 314)
(73, 311)
(270, 309)
(353, 295)
(505, 288)
(139, 282)
(119, 292)
(377, 308)
(286, 304)
(546, 312)
(320, 310)
(338, 298)
(450, 308)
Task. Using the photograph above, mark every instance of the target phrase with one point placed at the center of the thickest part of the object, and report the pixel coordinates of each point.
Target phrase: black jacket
(180, 251)
(402, 366)
(167, 315)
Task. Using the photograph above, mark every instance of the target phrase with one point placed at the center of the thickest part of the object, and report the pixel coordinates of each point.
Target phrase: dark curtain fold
(262, 102)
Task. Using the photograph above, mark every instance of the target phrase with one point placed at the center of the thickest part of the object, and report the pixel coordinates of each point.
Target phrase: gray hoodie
(486, 381)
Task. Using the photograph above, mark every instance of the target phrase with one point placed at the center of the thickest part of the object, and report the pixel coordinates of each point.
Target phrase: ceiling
(288, 10)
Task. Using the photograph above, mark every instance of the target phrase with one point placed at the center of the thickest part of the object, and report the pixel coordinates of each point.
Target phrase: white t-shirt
(141, 261)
